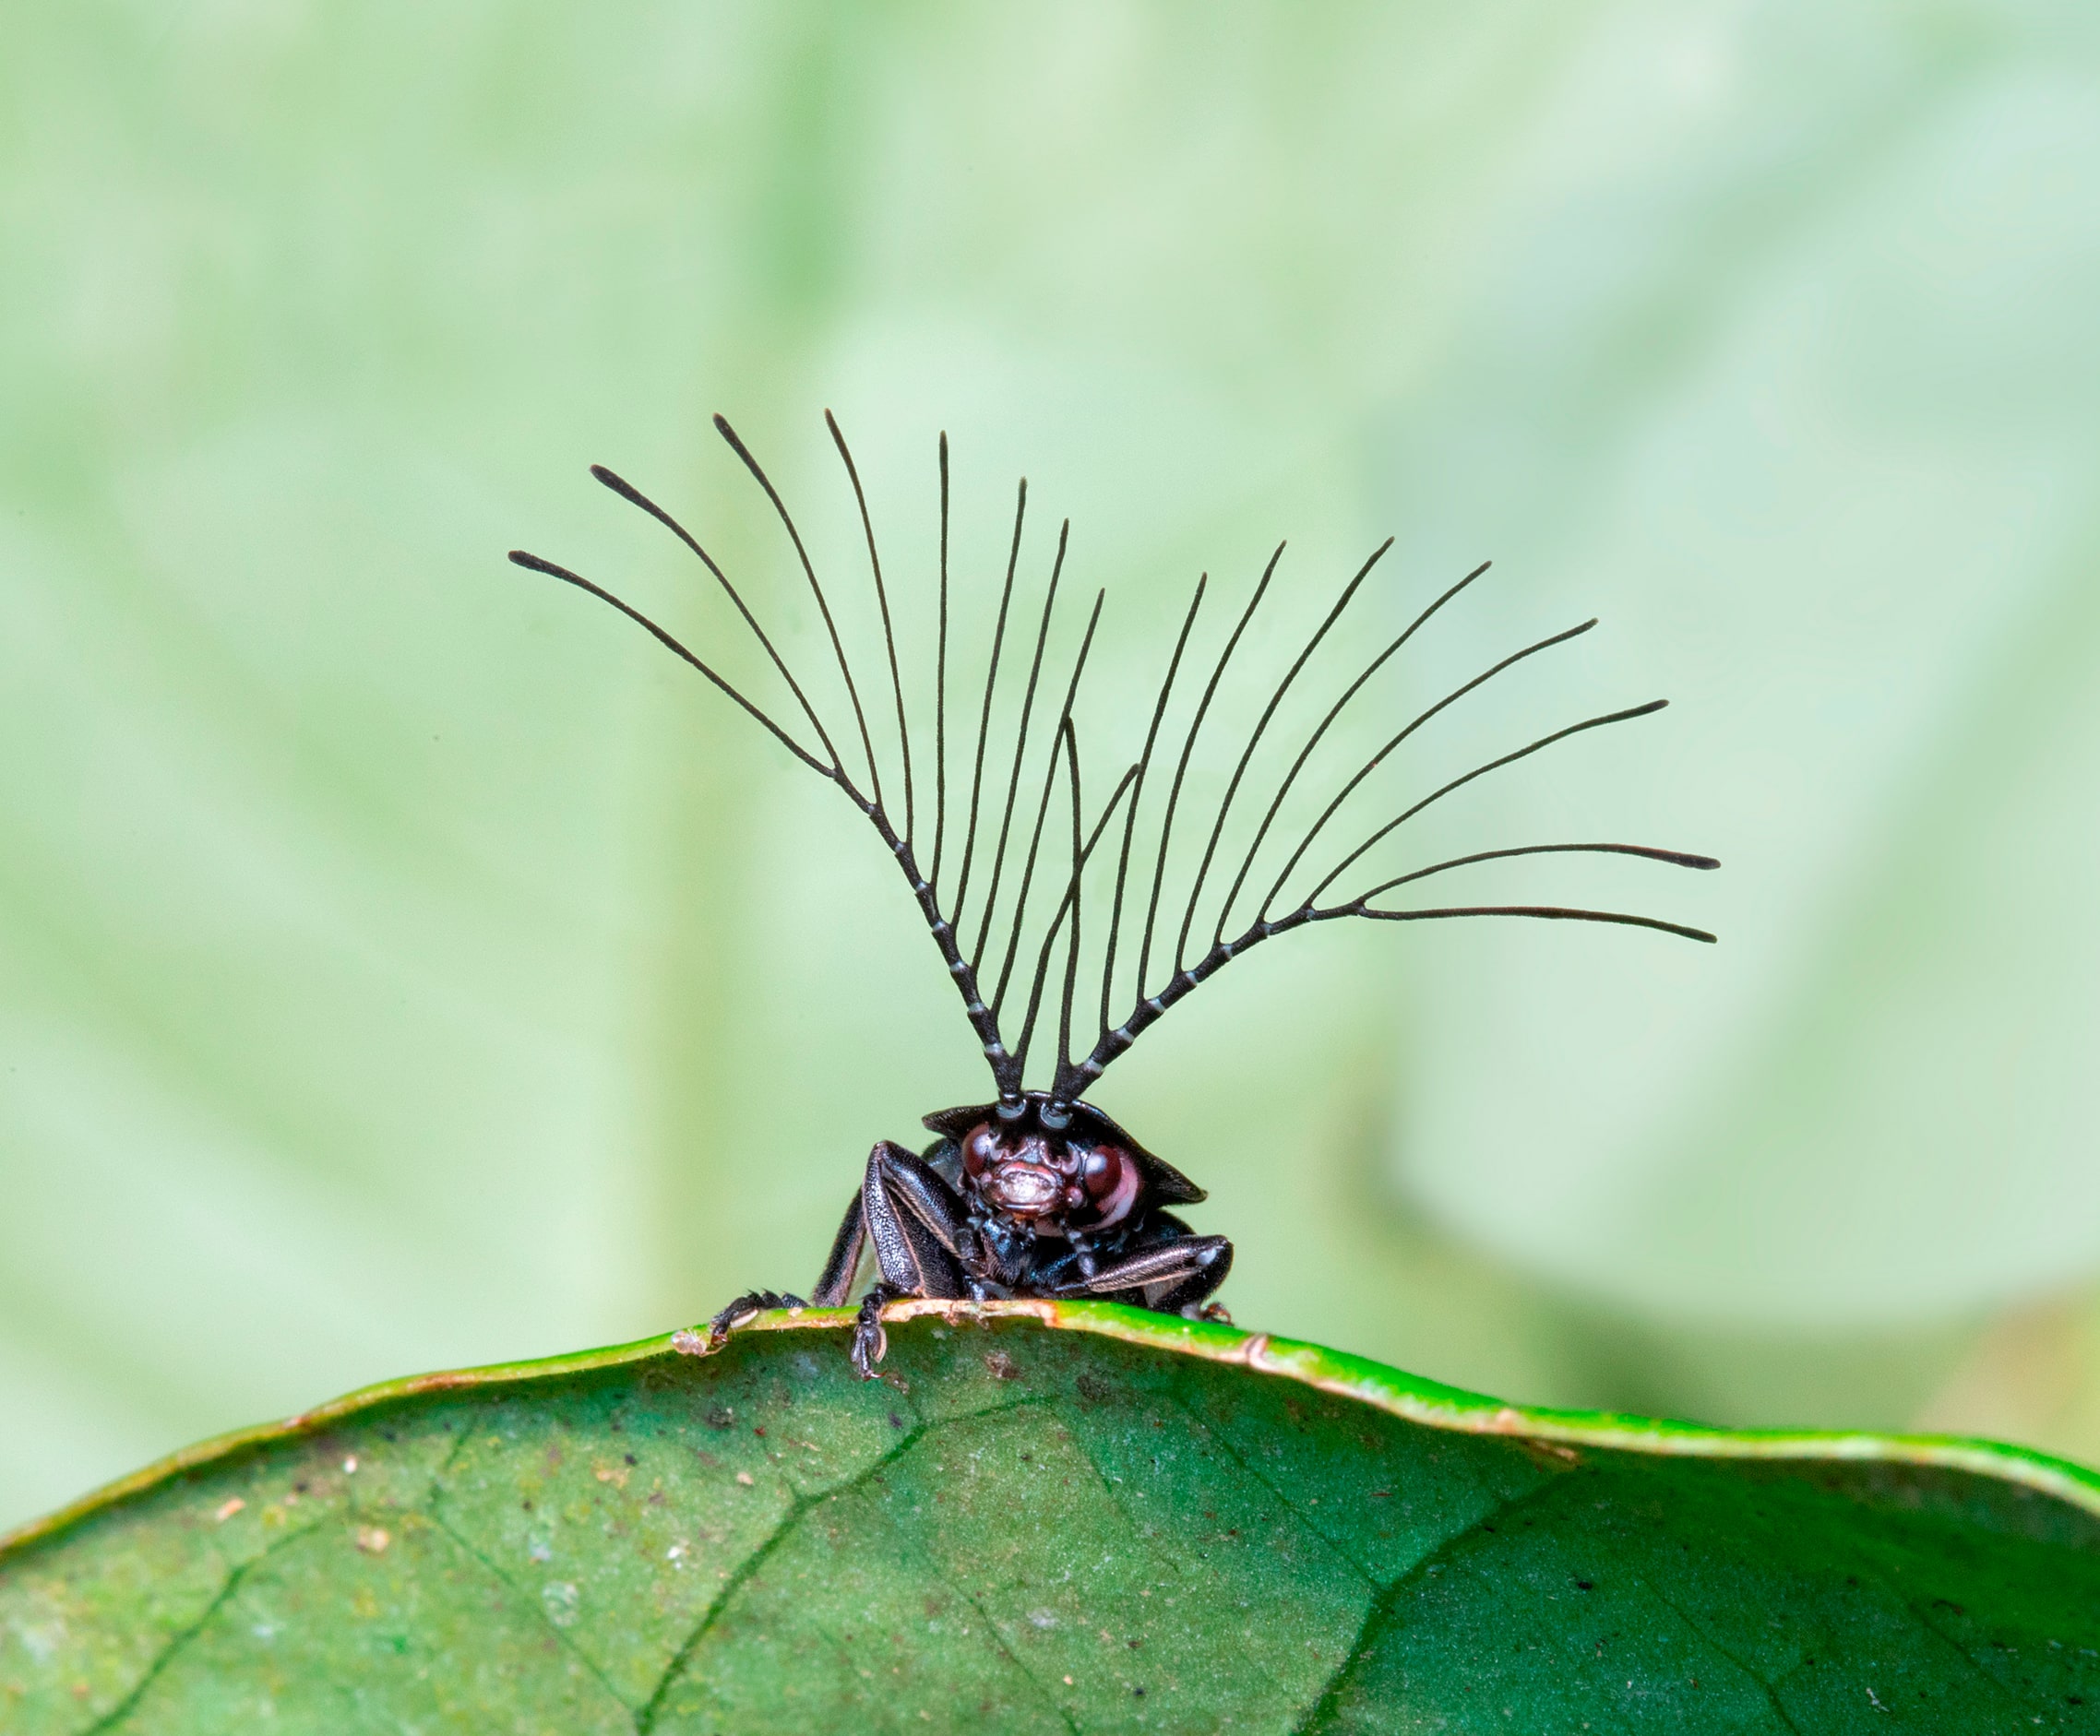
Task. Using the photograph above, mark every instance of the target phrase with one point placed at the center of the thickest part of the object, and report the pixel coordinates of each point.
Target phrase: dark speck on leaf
(1001, 1364)
(1585, 1585)
(1094, 1389)
(896, 1421)
(720, 1417)
(628, 1456)
(526, 1505)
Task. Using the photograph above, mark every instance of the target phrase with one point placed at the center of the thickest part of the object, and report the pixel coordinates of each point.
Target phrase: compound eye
(1110, 1177)
(980, 1148)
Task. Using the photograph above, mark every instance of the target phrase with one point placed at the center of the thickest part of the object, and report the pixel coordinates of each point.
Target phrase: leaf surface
(1047, 1518)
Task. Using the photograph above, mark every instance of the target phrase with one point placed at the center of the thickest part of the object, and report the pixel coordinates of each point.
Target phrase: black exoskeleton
(1043, 1202)
(1038, 1193)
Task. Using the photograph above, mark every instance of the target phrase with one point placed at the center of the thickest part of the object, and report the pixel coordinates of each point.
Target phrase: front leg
(871, 1343)
(1192, 1267)
(916, 1223)
(921, 1235)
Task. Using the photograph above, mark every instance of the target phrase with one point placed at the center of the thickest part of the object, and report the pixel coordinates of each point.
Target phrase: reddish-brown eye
(1111, 1178)
(980, 1148)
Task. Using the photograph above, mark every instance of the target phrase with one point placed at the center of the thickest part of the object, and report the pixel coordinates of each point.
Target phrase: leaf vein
(1283, 1499)
(176, 1642)
(1695, 1626)
(645, 1718)
(1321, 1715)
(534, 1604)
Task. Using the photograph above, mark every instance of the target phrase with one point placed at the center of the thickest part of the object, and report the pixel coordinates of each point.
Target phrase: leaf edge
(1412, 1398)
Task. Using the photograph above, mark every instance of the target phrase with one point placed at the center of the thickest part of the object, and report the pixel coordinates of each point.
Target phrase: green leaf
(1129, 1523)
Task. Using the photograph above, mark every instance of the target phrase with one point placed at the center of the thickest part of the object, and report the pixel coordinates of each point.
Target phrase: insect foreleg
(918, 1228)
(1192, 1266)
(915, 1221)
(871, 1343)
(1192, 1295)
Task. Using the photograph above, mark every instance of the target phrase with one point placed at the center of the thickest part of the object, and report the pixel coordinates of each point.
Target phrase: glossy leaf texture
(1130, 1524)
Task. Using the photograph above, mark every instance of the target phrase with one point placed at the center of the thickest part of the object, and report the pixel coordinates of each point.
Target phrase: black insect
(1038, 1193)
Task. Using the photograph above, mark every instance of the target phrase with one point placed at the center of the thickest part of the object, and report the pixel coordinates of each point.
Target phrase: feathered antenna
(943, 912)
(1111, 1043)
(1083, 852)
(827, 763)
(1043, 805)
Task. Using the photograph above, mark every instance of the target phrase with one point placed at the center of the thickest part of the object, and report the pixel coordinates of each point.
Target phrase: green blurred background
(406, 963)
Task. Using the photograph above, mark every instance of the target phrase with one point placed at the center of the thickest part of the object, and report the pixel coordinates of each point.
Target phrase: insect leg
(1192, 1296)
(918, 1228)
(1193, 1267)
(837, 1277)
(915, 1222)
(920, 1189)
(871, 1343)
(745, 1307)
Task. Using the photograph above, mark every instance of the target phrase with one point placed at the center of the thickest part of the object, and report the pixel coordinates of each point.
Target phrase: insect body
(1038, 1193)
(1017, 1200)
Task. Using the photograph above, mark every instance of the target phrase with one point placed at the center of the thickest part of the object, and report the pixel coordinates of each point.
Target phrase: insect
(1039, 1193)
